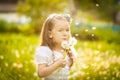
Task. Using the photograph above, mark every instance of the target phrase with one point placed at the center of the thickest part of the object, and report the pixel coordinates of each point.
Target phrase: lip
(65, 39)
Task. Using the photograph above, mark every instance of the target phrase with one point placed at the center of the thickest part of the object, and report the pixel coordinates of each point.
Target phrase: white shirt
(44, 55)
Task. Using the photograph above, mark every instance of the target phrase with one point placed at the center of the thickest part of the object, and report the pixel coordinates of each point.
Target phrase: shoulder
(43, 50)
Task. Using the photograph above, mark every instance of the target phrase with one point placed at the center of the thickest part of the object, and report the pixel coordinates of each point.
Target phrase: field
(96, 60)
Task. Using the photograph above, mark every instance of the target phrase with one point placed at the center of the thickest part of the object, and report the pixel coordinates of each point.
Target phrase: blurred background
(96, 26)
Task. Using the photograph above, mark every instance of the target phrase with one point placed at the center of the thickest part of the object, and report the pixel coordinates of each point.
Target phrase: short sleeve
(42, 55)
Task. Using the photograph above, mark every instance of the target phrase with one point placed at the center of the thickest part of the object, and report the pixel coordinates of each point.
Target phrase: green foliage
(103, 10)
(17, 57)
(89, 32)
(108, 35)
(8, 27)
(38, 10)
(12, 27)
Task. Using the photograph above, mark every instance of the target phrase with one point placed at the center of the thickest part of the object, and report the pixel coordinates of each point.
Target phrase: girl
(49, 56)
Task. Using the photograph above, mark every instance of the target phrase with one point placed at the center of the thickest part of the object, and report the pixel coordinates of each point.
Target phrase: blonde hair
(48, 26)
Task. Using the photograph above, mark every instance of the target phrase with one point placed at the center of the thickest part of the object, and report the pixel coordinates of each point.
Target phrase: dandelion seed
(97, 5)
(67, 45)
(76, 34)
(93, 28)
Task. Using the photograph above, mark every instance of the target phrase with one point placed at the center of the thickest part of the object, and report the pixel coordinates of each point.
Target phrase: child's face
(61, 31)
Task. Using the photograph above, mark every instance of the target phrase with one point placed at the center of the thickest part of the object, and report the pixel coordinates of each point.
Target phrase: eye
(67, 30)
(60, 30)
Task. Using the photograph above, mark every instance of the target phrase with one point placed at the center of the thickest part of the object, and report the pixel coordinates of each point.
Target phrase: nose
(65, 33)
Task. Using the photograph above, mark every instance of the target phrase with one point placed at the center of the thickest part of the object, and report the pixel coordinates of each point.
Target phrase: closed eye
(67, 30)
(60, 30)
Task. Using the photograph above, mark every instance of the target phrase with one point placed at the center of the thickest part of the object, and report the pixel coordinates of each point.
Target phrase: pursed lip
(65, 38)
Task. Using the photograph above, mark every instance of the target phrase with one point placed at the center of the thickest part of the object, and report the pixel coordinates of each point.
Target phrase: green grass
(96, 60)
(17, 57)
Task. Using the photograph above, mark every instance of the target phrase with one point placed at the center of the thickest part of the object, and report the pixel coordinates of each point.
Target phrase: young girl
(49, 56)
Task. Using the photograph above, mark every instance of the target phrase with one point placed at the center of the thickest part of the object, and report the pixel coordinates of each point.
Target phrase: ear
(50, 34)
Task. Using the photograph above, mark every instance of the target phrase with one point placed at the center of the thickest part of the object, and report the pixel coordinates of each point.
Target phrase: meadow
(96, 60)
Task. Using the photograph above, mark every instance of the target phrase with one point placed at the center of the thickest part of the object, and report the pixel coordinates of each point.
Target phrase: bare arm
(45, 70)
(71, 56)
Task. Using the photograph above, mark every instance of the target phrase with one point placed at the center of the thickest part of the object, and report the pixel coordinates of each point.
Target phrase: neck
(58, 48)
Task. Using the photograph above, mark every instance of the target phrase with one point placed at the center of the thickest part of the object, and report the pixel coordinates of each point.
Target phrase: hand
(61, 62)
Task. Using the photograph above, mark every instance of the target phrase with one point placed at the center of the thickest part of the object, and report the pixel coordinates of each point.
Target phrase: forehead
(61, 24)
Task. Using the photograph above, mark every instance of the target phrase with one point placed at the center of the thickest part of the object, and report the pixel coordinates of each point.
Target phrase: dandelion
(67, 45)
(17, 65)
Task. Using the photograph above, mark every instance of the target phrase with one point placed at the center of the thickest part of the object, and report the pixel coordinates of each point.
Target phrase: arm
(71, 59)
(45, 70)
